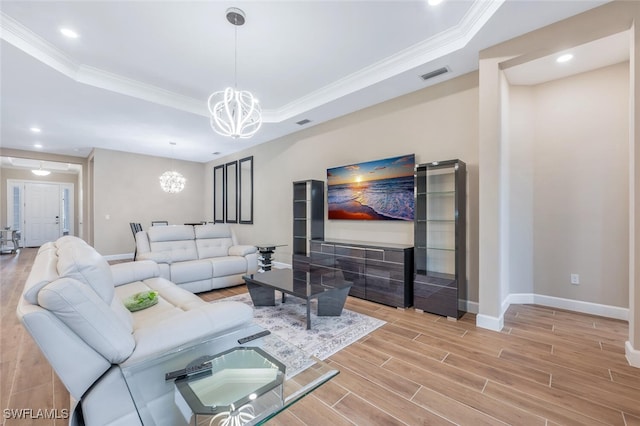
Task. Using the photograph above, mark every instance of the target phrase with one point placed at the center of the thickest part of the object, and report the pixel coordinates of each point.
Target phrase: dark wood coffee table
(331, 289)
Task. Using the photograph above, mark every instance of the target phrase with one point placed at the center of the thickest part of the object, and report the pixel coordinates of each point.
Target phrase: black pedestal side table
(266, 251)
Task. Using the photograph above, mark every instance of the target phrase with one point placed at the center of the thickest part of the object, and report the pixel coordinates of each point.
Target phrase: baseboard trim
(496, 323)
(607, 311)
(489, 322)
(123, 256)
(633, 355)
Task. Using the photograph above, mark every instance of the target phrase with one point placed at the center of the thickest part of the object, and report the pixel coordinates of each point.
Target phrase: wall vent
(434, 73)
(303, 122)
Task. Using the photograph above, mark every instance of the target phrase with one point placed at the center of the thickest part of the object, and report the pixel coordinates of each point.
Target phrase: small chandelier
(40, 171)
(172, 181)
(234, 112)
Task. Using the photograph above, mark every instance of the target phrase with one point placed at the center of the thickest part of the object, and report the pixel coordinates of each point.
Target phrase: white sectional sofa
(72, 305)
(197, 258)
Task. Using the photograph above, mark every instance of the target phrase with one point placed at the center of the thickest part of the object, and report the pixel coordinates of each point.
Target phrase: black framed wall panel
(245, 190)
(231, 192)
(218, 194)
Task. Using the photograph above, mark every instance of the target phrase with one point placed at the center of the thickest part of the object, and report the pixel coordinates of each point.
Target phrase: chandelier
(234, 112)
(172, 181)
(40, 171)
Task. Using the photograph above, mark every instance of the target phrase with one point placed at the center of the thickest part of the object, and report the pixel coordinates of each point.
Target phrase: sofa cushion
(147, 317)
(213, 247)
(173, 251)
(212, 231)
(178, 297)
(80, 261)
(158, 234)
(191, 327)
(230, 265)
(193, 270)
(83, 311)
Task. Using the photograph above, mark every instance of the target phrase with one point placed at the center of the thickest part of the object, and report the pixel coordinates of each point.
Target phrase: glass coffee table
(329, 288)
(238, 384)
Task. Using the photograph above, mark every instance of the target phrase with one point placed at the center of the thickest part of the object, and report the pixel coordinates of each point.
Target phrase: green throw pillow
(141, 300)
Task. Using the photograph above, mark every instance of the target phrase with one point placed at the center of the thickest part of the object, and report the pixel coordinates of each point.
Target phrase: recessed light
(564, 58)
(35, 129)
(37, 145)
(434, 2)
(69, 33)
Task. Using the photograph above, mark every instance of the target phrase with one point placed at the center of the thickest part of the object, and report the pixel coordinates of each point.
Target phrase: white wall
(438, 123)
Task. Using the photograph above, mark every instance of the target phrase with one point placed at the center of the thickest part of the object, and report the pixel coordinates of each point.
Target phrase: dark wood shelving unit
(440, 238)
(308, 219)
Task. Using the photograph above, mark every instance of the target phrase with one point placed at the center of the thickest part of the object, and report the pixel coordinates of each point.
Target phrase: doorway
(41, 211)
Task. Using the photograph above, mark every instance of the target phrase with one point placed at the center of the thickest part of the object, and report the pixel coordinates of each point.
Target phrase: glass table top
(246, 384)
(300, 283)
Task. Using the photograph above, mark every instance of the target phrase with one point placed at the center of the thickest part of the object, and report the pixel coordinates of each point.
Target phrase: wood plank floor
(547, 367)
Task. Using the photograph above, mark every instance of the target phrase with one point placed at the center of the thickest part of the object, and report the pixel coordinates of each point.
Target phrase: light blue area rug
(296, 344)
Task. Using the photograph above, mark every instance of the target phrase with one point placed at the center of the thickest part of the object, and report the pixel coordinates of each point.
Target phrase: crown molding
(21, 37)
(414, 56)
(421, 53)
(137, 89)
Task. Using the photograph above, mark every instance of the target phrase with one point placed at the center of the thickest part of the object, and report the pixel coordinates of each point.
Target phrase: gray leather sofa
(197, 258)
(72, 306)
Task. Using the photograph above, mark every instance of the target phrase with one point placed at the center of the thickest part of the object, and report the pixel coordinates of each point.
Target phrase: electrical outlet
(575, 279)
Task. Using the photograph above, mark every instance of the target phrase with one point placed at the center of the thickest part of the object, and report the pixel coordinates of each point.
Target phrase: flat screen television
(374, 190)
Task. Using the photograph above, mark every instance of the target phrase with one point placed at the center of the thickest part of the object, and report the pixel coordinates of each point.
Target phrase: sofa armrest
(125, 273)
(241, 250)
(158, 257)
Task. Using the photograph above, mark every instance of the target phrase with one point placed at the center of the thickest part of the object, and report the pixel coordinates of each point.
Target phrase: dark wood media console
(380, 273)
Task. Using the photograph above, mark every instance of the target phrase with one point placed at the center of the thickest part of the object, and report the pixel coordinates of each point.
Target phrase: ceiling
(139, 75)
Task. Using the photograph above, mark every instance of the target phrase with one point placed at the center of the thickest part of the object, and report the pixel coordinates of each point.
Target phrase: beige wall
(437, 123)
(521, 207)
(633, 344)
(569, 187)
(581, 208)
(127, 189)
(608, 19)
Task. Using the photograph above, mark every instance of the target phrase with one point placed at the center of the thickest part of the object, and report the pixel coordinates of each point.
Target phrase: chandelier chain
(235, 58)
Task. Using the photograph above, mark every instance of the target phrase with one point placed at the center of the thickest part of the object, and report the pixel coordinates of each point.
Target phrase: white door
(41, 213)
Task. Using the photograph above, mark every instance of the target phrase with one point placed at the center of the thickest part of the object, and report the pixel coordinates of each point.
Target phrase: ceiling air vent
(303, 122)
(435, 73)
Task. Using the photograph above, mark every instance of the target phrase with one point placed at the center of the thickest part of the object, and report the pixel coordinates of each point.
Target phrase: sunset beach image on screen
(375, 190)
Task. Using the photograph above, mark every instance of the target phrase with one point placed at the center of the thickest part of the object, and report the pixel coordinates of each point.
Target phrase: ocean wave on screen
(390, 197)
